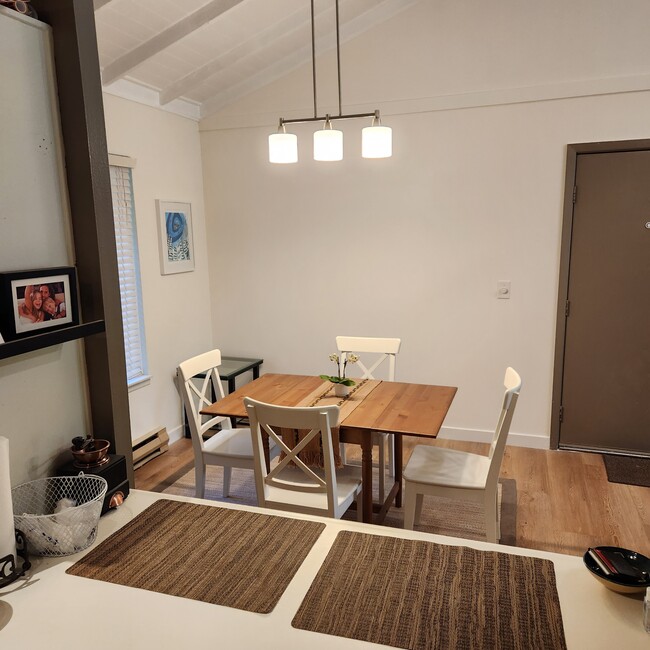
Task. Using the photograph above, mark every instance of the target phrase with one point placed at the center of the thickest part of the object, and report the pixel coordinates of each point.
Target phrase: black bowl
(617, 582)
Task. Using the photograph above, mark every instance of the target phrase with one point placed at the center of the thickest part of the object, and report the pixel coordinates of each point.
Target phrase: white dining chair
(374, 354)
(291, 484)
(437, 471)
(229, 447)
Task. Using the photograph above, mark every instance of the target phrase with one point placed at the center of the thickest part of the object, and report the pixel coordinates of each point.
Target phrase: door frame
(573, 151)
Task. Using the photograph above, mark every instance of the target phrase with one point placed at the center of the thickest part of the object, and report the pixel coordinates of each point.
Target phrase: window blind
(129, 273)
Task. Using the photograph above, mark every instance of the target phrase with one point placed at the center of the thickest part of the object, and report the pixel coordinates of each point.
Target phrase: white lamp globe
(377, 142)
(283, 148)
(328, 144)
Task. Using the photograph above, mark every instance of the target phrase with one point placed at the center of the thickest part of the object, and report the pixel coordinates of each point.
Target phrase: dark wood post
(89, 189)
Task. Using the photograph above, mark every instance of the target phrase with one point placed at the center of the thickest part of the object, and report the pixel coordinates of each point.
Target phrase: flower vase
(341, 390)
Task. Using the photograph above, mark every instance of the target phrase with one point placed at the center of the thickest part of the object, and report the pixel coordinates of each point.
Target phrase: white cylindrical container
(7, 534)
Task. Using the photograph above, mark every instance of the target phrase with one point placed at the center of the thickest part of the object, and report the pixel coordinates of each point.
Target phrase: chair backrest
(318, 423)
(387, 349)
(200, 387)
(512, 384)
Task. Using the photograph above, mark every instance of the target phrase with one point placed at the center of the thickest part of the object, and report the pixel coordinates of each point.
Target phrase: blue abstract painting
(178, 241)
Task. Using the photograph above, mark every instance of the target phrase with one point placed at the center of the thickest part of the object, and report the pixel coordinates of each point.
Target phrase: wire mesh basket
(59, 515)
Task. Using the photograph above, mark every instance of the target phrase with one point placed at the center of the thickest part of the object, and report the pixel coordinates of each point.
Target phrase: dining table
(397, 408)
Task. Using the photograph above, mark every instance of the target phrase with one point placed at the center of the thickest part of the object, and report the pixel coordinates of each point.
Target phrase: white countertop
(53, 610)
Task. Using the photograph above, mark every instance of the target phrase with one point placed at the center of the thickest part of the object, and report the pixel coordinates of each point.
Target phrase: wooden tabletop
(409, 409)
(394, 407)
(282, 390)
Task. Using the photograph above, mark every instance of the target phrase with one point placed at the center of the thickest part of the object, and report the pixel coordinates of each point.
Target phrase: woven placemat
(420, 595)
(225, 557)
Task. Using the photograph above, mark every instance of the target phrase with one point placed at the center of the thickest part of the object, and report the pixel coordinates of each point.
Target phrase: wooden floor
(564, 501)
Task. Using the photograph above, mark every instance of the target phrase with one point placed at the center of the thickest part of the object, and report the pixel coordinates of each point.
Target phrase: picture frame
(175, 237)
(37, 301)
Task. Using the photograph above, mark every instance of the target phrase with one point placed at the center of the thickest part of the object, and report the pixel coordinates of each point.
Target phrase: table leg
(366, 477)
(398, 468)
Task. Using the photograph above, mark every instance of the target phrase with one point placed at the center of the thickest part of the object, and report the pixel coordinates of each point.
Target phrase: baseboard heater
(149, 446)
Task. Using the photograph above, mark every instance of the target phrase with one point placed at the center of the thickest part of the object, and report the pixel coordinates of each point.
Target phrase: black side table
(114, 471)
(229, 370)
(232, 367)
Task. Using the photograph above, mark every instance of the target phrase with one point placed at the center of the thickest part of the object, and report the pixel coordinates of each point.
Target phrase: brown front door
(605, 391)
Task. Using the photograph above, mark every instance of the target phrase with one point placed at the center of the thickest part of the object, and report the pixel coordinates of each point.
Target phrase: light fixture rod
(313, 57)
(338, 54)
(330, 117)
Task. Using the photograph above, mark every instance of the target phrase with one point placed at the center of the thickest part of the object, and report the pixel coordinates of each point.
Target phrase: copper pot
(92, 458)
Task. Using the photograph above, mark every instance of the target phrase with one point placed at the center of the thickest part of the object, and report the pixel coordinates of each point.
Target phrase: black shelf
(45, 340)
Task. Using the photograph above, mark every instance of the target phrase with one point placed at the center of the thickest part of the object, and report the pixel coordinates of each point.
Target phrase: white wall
(483, 101)
(42, 394)
(176, 307)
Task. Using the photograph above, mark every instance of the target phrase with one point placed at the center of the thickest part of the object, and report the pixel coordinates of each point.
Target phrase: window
(129, 269)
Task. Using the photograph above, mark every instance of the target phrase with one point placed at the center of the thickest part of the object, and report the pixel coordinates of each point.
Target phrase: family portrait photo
(38, 300)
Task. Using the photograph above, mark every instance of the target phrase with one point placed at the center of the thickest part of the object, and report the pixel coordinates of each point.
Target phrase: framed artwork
(35, 301)
(175, 235)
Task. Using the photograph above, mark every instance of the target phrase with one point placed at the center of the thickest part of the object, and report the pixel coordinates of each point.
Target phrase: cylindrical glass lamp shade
(283, 148)
(377, 142)
(328, 144)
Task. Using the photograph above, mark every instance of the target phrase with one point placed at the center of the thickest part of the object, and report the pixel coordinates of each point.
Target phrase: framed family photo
(175, 235)
(35, 301)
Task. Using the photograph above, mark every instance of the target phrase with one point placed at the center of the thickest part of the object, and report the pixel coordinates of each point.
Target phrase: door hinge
(567, 308)
(561, 413)
(575, 192)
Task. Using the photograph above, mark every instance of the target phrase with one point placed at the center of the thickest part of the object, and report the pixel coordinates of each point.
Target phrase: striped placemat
(420, 595)
(324, 396)
(226, 557)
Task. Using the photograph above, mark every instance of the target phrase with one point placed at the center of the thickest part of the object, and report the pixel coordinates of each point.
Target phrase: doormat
(627, 469)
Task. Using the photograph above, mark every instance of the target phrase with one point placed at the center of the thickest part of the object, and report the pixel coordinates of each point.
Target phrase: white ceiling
(196, 57)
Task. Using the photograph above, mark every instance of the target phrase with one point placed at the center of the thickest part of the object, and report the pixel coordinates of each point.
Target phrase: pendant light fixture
(376, 140)
(283, 146)
(328, 143)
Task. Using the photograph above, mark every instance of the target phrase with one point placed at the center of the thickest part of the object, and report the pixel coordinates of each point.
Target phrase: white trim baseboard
(176, 434)
(530, 440)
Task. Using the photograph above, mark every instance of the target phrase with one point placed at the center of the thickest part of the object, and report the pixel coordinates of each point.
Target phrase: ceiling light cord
(338, 54)
(313, 56)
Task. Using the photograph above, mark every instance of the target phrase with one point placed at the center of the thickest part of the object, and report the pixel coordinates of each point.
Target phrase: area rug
(439, 515)
(458, 597)
(627, 469)
(225, 557)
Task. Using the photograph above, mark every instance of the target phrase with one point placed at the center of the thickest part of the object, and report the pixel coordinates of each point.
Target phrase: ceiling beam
(384, 10)
(98, 4)
(174, 33)
(281, 29)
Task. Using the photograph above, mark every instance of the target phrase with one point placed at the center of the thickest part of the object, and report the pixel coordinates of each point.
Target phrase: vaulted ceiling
(207, 54)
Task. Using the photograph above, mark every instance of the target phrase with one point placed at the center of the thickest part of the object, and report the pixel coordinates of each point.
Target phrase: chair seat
(447, 467)
(235, 443)
(348, 485)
